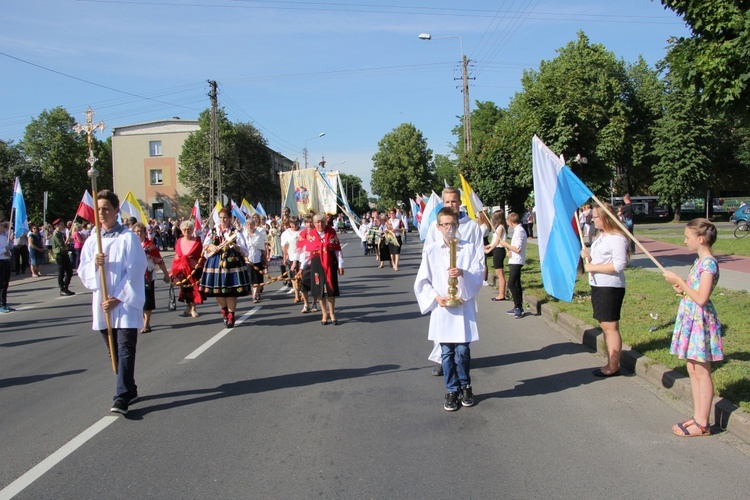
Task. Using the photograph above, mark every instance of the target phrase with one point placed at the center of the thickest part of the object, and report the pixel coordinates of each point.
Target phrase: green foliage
(402, 166)
(246, 163)
(713, 65)
(55, 161)
(683, 140)
(445, 170)
(355, 193)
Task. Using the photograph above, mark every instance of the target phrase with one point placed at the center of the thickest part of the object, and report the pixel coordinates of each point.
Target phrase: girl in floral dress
(697, 331)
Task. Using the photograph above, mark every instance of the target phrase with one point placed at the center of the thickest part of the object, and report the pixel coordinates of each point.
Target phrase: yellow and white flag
(470, 199)
(131, 206)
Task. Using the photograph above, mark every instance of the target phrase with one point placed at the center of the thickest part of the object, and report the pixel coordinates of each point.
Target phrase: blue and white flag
(433, 206)
(21, 221)
(259, 208)
(237, 212)
(558, 192)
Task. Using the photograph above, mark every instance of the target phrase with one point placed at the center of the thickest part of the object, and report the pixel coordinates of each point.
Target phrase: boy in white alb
(452, 327)
(517, 249)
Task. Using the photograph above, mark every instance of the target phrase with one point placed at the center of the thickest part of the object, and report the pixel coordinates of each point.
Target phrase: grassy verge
(649, 295)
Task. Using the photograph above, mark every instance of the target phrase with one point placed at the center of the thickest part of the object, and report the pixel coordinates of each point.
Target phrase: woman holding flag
(605, 262)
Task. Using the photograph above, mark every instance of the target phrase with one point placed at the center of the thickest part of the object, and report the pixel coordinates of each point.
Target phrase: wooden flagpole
(628, 234)
(89, 129)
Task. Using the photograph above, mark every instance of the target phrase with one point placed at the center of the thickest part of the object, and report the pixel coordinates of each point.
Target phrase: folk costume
(322, 255)
(187, 269)
(153, 261)
(225, 272)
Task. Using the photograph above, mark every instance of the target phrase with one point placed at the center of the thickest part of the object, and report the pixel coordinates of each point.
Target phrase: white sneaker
(484, 283)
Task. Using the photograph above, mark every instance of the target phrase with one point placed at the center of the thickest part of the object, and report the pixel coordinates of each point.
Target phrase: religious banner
(305, 189)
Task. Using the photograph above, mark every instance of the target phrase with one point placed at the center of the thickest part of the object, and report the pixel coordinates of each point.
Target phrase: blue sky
(352, 69)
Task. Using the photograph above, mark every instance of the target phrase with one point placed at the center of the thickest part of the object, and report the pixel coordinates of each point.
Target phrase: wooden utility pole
(213, 139)
(467, 105)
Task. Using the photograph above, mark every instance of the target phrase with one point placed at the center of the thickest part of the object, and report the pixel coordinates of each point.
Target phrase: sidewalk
(734, 271)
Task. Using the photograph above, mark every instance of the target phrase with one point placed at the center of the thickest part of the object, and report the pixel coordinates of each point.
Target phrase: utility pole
(213, 139)
(467, 105)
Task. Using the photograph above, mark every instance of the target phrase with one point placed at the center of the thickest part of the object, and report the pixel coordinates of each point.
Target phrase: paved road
(283, 407)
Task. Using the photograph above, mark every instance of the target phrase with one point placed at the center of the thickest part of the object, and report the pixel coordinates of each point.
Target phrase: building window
(156, 177)
(154, 148)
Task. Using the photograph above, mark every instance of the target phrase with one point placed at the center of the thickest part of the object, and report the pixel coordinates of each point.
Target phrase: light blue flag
(260, 210)
(433, 206)
(237, 212)
(21, 221)
(558, 193)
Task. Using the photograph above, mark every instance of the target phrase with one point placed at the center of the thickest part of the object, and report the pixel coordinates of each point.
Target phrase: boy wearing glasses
(453, 327)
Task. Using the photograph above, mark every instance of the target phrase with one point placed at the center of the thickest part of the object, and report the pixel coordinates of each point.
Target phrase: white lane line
(221, 334)
(42, 467)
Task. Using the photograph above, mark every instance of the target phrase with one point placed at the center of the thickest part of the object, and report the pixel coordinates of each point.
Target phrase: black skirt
(498, 257)
(607, 303)
(150, 303)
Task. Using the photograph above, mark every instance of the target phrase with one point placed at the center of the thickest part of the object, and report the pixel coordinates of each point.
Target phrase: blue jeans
(456, 364)
(126, 340)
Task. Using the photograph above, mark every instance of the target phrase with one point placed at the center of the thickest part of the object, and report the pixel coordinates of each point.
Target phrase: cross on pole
(89, 130)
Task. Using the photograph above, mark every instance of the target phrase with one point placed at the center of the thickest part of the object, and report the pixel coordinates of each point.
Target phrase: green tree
(246, 163)
(484, 118)
(446, 170)
(355, 193)
(713, 65)
(683, 143)
(56, 163)
(402, 166)
(12, 164)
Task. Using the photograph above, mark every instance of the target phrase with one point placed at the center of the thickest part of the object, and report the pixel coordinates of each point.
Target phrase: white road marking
(42, 467)
(221, 335)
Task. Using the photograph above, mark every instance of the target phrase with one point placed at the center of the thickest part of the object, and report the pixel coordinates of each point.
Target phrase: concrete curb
(727, 415)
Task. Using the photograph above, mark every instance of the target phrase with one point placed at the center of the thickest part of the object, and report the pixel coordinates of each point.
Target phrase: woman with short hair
(187, 267)
(322, 255)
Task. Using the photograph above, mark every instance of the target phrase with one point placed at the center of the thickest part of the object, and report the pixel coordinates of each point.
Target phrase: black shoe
(134, 400)
(467, 397)
(451, 401)
(119, 406)
(66, 293)
(519, 314)
(437, 370)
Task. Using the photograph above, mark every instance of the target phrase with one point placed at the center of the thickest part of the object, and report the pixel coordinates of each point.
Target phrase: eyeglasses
(447, 225)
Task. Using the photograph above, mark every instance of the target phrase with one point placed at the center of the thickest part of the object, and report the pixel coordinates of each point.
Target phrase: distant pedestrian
(36, 251)
(61, 254)
(626, 216)
(6, 252)
(454, 327)
(516, 261)
(697, 330)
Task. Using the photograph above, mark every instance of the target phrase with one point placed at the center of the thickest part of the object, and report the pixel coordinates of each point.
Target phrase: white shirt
(6, 246)
(609, 248)
(125, 273)
(518, 240)
(256, 244)
(450, 324)
(238, 242)
(467, 230)
(289, 241)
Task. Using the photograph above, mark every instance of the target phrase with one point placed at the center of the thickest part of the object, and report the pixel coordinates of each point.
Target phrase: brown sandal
(683, 427)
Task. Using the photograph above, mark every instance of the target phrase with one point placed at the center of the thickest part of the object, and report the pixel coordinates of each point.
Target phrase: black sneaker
(467, 397)
(134, 400)
(519, 314)
(437, 370)
(512, 312)
(119, 406)
(66, 293)
(451, 401)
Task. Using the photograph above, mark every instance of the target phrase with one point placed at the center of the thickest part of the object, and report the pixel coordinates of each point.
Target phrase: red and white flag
(196, 215)
(86, 207)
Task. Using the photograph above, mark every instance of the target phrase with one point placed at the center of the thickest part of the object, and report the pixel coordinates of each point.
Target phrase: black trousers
(514, 285)
(21, 258)
(4, 281)
(64, 270)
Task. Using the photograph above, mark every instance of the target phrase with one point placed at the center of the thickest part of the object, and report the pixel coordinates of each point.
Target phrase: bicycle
(742, 229)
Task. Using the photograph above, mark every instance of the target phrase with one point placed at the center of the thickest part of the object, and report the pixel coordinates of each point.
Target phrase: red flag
(86, 207)
(196, 215)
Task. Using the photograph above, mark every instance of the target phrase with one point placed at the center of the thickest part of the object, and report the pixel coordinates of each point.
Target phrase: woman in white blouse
(605, 262)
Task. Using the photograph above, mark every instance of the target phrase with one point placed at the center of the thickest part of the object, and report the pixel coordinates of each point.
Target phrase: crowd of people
(231, 260)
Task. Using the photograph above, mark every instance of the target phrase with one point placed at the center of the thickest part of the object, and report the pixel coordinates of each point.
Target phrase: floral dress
(697, 331)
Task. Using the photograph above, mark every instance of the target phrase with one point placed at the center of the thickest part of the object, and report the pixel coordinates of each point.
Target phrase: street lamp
(304, 150)
(465, 78)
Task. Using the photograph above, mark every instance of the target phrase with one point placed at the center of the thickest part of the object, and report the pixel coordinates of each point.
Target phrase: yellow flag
(470, 199)
(130, 205)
